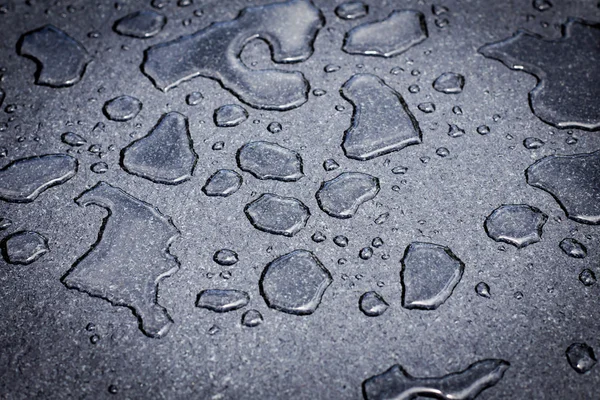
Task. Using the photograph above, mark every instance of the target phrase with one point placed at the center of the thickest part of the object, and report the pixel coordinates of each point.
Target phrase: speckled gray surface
(62, 343)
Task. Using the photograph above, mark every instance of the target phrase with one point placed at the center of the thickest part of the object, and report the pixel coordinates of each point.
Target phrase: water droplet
(457, 110)
(23, 180)
(424, 159)
(295, 283)
(518, 295)
(375, 134)
(165, 155)
(225, 257)
(449, 83)
(274, 127)
(400, 31)
(427, 108)
(61, 59)
(483, 129)
(573, 248)
(319, 92)
(252, 318)
(222, 300)
(581, 357)
(99, 167)
(194, 98)
(130, 257)
(516, 224)
(399, 170)
(330, 165)
(230, 115)
(94, 339)
(377, 242)
(372, 304)
(382, 218)
(267, 160)
(455, 131)
(5, 223)
(414, 89)
(141, 24)
(430, 273)
(442, 152)
(222, 183)
(439, 10)
(339, 107)
(542, 5)
(587, 277)
(213, 52)
(225, 275)
(483, 290)
(396, 70)
(73, 139)
(24, 247)
(122, 108)
(396, 383)
(340, 240)
(213, 330)
(571, 140)
(277, 215)
(329, 68)
(352, 10)
(532, 143)
(318, 237)
(218, 146)
(565, 83)
(573, 181)
(341, 196)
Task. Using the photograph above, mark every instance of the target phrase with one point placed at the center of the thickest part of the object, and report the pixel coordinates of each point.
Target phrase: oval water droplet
(225, 257)
(372, 304)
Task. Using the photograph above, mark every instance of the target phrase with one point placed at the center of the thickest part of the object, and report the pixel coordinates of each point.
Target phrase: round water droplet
(225, 275)
(252, 318)
(366, 253)
(483, 290)
(518, 295)
(442, 152)
(341, 241)
(318, 237)
(274, 127)
(396, 70)
(571, 140)
(113, 389)
(340, 107)
(483, 129)
(122, 108)
(427, 108)
(194, 98)
(213, 330)
(94, 339)
(455, 131)
(414, 89)
(225, 257)
(424, 159)
(587, 277)
(372, 304)
(5, 223)
(441, 22)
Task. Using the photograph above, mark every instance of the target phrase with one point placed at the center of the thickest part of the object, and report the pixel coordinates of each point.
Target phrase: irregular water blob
(400, 31)
(295, 283)
(318, 237)
(230, 115)
(516, 224)
(73, 139)
(573, 248)
(573, 181)
(427, 108)
(194, 98)
(129, 258)
(587, 277)
(24, 247)
(352, 10)
(397, 384)
(140, 24)
(372, 304)
(532, 143)
(449, 83)
(277, 215)
(340, 241)
(267, 160)
(252, 318)
(23, 180)
(222, 300)
(213, 52)
(330, 165)
(225, 257)
(60, 59)
(455, 131)
(122, 108)
(341, 196)
(165, 155)
(483, 290)
(581, 357)
(429, 274)
(99, 168)
(566, 69)
(222, 183)
(371, 132)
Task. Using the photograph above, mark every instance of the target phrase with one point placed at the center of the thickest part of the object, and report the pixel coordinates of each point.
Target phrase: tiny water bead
(399, 170)
(319, 92)
(396, 70)
(372, 304)
(587, 277)
(573, 248)
(225, 257)
(382, 218)
(414, 89)
(457, 110)
(218, 146)
(331, 68)
(73, 139)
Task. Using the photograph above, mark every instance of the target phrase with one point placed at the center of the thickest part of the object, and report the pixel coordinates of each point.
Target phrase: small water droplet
(396, 70)
(274, 127)
(414, 89)
(319, 92)
(330, 165)
(455, 131)
(331, 68)
(399, 170)
(427, 108)
(457, 110)
(581, 357)
(194, 98)
(213, 330)
(587, 277)
(532, 143)
(372, 304)
(365, 253)
(483, 290)
(341, 241)
(442, 152)
(225, 257)
(377, 242)
(218, 146)
(94, 339)
(113, 389)
(99, 167)
(318, 237)
(518, 295)
(483, 129)
(73, 139)
(252, 318)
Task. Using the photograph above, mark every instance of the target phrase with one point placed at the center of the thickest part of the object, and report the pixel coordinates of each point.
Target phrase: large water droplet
(141, 24)
(574, 181)
(343, 195)
(222, 300)
(213, 52)
(266, 160)
(516, 224)
(24, 247)
(396, 383)
(373, 133)
(581, 357)
(401, 30)
(23, 180)
(130, 257)
(277, 215)
(429, 274)
(295, 283)
(165, 155)
(61, 59)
